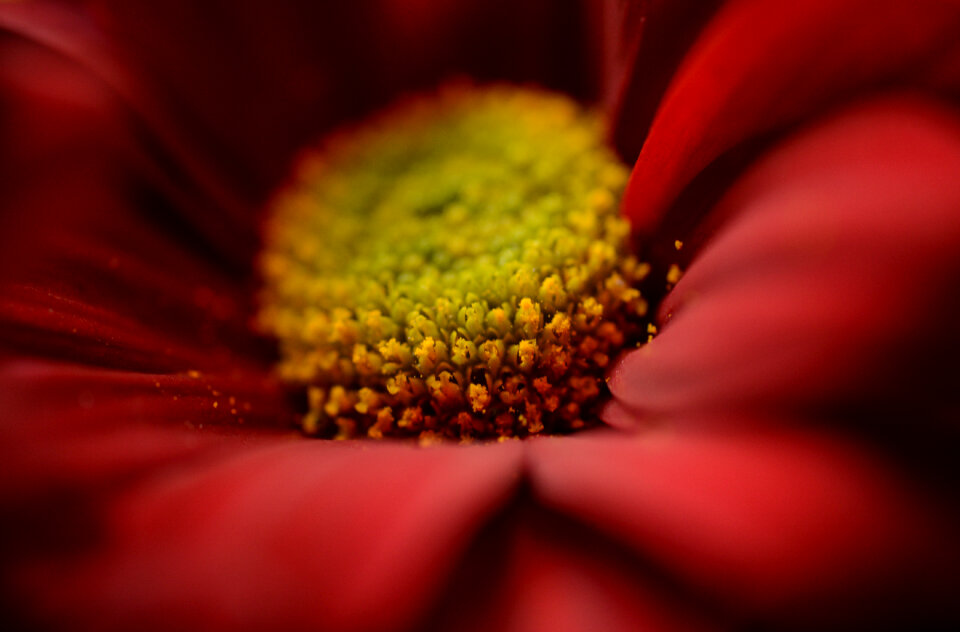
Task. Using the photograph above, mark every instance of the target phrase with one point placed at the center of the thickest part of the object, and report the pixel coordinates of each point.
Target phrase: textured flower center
(455, 267)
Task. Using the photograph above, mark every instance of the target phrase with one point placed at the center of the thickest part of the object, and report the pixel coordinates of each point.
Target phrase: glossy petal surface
(759, 67)
(801, 526)
(287, 533)
(602, 587)
(828, 282)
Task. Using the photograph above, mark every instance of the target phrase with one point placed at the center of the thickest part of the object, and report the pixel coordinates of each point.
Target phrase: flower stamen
(454, 268)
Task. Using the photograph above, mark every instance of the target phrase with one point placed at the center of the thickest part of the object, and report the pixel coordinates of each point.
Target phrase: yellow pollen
(454, 268)
(674, 274)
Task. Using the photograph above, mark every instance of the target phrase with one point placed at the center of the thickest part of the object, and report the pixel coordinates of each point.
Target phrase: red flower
(781, 454)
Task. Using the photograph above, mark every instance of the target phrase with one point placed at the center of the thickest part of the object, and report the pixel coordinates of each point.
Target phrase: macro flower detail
(455, 267)
(779, 452)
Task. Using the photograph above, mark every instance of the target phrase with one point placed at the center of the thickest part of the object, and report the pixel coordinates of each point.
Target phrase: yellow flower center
(455, 267)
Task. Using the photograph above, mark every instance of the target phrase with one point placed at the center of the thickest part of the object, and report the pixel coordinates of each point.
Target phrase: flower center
(455, 267)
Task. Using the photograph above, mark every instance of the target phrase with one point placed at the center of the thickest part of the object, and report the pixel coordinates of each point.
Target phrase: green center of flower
(455, 267)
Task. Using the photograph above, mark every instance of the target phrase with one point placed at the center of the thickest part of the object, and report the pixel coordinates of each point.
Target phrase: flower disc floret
(455, 267)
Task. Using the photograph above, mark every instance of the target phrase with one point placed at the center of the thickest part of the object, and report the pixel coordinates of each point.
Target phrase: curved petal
(789, 528)
(111, 290)
(830, 284)
(73, 437)
(96, 266)
(219, 98)
(235, 89)
(297, 534)
(71, 51)
(759, 66)
(56, 128)
(648, 39)
(559, 576)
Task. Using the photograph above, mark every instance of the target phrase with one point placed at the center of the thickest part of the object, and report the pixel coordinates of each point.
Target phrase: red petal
(242, 89)
(96, 266)
(107, 288)
(559, 577)
(303, 534)
(759, 66)
(646, 41)
(832, 284)
(222, 99)
(72, 51)
(793, 527)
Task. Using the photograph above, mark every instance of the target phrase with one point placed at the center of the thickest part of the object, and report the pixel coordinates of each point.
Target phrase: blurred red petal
(831, 284)
(72, 436)
(649, 39)
(159, 143)
(251, 82)
(559, 577)
(759, 66)
(797, 527)
(48, 404)
(98, 263)
(221, 97)
(110, 289)
(300, 534)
